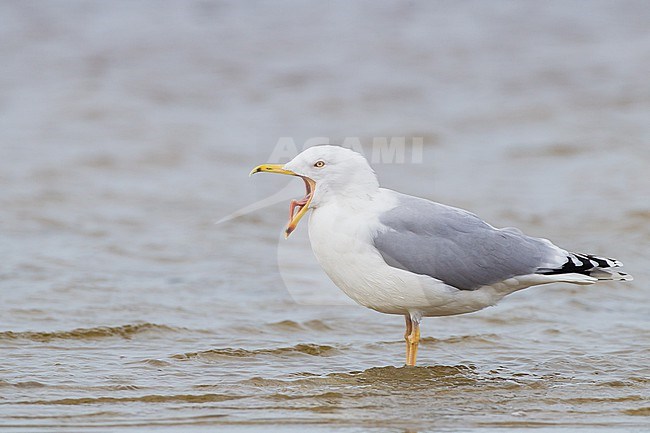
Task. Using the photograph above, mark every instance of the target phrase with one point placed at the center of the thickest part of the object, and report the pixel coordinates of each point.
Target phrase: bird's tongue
(296, 206)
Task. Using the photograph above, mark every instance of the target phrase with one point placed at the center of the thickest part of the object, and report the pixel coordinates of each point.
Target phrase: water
(127, 129)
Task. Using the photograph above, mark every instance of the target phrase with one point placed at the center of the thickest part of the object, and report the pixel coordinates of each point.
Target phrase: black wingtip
(586, 263)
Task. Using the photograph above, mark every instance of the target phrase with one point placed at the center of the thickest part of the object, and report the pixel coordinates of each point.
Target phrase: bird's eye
(319, 164)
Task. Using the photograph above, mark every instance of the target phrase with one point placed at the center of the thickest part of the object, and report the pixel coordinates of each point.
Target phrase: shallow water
(128, 130)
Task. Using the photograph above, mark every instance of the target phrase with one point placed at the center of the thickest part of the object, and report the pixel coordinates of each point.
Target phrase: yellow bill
(302, 205)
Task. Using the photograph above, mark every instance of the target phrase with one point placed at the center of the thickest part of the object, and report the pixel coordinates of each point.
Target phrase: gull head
(330, 173)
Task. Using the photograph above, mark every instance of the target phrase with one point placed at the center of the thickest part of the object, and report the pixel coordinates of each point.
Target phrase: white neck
(357, 187)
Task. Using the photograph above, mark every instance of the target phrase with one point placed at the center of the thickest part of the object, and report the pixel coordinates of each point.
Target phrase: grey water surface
(127, 131)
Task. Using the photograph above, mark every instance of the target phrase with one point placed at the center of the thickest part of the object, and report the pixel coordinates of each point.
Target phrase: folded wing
(458, 248)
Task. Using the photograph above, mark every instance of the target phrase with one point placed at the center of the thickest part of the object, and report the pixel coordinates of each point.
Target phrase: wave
(305, 349)
(25, 384)
(124, 331)
(154, 398)
(642, 411)
(313, 325)
(459, 374)
(388, 377)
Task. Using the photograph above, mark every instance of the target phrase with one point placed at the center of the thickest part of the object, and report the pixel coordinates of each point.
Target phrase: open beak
(301, 205)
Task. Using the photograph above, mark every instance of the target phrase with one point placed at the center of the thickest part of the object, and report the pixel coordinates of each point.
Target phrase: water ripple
(124, 331)
(154, 398)
(298, 349)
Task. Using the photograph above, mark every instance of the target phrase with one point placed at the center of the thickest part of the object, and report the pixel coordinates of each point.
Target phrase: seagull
(404, 255)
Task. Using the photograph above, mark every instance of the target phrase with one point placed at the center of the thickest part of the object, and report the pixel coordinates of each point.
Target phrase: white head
(337, 171)
(329, 172)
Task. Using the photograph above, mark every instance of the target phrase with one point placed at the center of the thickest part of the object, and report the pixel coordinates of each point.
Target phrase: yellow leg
(409, 329)
(412, 341)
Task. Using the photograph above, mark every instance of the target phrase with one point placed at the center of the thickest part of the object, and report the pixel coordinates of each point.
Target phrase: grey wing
(456, 247)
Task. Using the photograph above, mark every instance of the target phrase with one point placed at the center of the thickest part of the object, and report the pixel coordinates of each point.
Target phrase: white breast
(341, 239)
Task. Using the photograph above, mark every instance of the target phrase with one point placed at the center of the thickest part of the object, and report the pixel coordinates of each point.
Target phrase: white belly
(342, 243)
